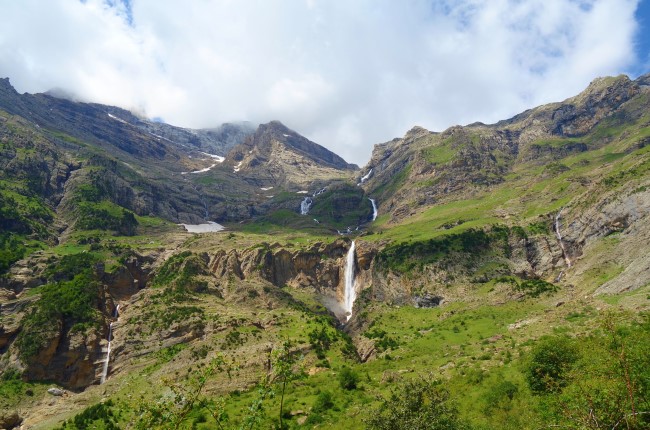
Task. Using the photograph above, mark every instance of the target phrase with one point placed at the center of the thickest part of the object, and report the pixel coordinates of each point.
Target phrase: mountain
(133, 162)
(499, 271)
(280, 156)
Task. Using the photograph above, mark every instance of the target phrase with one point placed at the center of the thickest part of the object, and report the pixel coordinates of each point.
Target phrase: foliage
(407, 256)
(106, 216)
(536, 287)
(324, 402)
(500, 396)
(70, 266)
(98, 416)
(69, 304)
(348, 379)
(187, 397)
(609, 386)
(421, 404)
(12, 249)
(382, 340)
(551, 359)
(320, 340)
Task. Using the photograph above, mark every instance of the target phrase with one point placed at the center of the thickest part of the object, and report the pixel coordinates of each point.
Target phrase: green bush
(11, 250)
(348, 379)
(422, 404)
(500, 396)
(324, 402)
(551, 360)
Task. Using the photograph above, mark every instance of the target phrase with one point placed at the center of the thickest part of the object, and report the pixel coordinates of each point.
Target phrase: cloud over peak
(346, 74)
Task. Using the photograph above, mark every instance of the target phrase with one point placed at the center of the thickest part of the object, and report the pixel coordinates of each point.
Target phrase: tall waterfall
(374, 209)
(350, 294)
(108, 348)
(559, 238)
(305, 205)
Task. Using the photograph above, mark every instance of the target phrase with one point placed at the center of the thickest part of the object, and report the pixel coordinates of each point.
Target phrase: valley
(244, 277)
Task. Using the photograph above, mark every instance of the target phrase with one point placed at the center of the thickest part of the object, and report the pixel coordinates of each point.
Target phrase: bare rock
(10, 420)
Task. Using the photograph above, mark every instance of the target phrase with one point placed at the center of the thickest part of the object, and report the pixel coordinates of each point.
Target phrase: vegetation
(70, 305)
(406, 256)
(421, 404)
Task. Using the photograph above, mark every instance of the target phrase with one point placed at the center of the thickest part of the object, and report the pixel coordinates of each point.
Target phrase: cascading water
(108, 348)
(305, 205)
(559, 239)
(374, 209)
(350, 293)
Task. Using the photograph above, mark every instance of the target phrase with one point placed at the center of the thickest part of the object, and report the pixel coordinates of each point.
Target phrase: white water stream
(559, 238)
(108, 348)
(374, 209)
(350, 293)
(305, 205)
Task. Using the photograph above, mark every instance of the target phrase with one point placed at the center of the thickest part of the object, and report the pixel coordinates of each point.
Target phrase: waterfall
(305, 205)
(108, 348)
(108, 355)
(350, 294)
(374, 209)
(556, 226)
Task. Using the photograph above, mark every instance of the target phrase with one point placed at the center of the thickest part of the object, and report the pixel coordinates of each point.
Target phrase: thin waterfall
(374, 209)
(559, 238)
(108, 355)
(305, 205)
(108, 348)
(350, 294)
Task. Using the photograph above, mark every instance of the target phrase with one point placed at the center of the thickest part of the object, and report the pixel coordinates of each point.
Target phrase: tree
(348, 378)
(551, 359)
(420, 404)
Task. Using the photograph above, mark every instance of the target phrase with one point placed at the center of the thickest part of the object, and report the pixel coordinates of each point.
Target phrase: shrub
(551, 359)
(324, 402)
(422, 404)
(348, 379)
(500, 396)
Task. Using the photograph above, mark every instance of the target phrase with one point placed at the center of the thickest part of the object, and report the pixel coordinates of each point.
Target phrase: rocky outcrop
(277, 156)
(320, 267)
(68, 357)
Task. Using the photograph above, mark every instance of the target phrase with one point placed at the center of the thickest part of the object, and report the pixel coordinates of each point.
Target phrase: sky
(347, 74)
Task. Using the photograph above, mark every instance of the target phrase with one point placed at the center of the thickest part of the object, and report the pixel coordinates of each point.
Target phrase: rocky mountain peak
(5, 85)
(276, 155)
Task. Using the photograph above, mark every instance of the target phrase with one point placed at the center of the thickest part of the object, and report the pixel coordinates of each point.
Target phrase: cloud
(347, 74)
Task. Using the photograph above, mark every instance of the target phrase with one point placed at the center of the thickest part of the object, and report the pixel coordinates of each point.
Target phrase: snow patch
(209, 227)
(266, 188)
(117, 119)
(302, 192)
(218, 158)
(237, 167)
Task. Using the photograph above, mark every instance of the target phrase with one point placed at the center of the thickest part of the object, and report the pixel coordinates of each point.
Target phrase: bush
(551, 359)
(348, 379)
(421, 404)
(324, 402)
(500, 396)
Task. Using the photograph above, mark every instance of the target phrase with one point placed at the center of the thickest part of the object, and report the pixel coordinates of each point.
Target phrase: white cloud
(347, 74)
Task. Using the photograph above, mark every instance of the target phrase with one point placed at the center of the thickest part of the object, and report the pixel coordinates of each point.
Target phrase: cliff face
(425, 168)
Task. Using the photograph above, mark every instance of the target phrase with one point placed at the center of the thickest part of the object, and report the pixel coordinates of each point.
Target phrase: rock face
(320, 267)
(69, 356)
(277, 156)
(424, 168)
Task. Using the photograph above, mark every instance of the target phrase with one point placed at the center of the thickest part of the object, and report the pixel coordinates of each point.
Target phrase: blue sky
(346, 73)
(642, 40)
